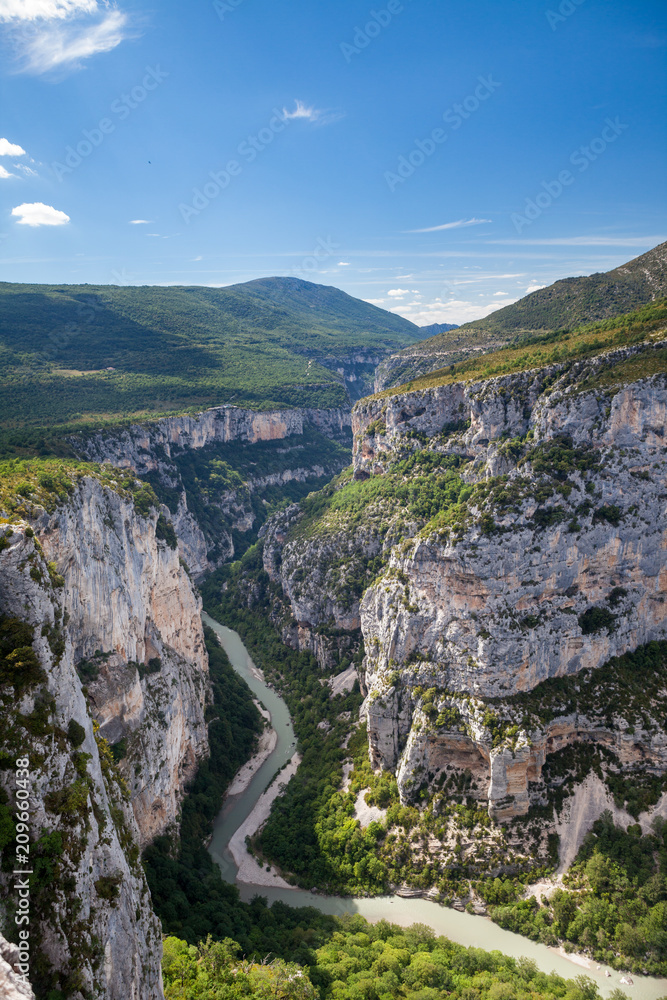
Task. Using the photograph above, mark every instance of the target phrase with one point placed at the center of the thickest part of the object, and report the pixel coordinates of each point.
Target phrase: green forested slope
(645, 325)
(567, 303)
(178, 348)
(355, 960)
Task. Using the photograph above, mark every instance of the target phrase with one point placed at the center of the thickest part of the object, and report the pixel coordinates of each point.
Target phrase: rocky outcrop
(550, 561)
(357, 370)
(91, 928)
(409, 364)
(144, 447)
(13, 984)
(205, 518)
(127, 593)
(119, 658)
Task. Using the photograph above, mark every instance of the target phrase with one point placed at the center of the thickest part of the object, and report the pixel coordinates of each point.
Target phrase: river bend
(464, 928)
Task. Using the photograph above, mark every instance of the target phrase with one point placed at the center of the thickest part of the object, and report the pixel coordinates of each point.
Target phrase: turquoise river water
(464, 928)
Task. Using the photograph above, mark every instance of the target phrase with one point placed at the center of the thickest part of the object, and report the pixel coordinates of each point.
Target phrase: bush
(76, 734)
(595, 619)
(108, 886)
(164, 531)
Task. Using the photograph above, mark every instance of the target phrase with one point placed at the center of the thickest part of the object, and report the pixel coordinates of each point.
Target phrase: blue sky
(438, 159)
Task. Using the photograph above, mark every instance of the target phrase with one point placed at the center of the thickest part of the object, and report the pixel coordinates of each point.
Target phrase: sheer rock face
(496, 607)
(13, 985)
(112, 949)
(493, 614)
(127, 593)
(323, 616)
(127, 608)
(143, 447)
(151, 447)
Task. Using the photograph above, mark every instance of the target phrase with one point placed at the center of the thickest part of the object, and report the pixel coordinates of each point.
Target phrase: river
(464, 928)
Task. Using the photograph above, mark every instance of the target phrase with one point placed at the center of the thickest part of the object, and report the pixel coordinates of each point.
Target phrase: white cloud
(140, 222)
(533, 288)
(8, 148)
(398, 293)
(315, 115)
(39, 214)
(376, 302)
(501, 293)
(63, 33)
(459, 224)
(343, 263)
(5, 173)
(33, 10)
(69, 47)
(458, 311)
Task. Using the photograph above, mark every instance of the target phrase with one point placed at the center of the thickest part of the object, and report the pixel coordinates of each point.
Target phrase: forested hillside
(88, 353)
(567, 303)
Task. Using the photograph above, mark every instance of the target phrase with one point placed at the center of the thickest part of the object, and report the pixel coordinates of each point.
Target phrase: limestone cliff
(142, 446)
(102, 644)
(13, 985)
(520, 524)
(176, 454)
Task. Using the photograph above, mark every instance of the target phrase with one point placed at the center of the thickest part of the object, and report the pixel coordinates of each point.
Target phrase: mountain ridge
(572, 301)
(101, 353)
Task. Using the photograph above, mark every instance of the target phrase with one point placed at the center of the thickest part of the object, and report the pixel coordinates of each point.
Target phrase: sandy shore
(250, 870)
(267, 744)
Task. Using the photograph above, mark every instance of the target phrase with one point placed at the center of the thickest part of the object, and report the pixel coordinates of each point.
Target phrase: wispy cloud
(459, 224)
(316, 116)
(140, 222)
(28, 171)
(38, 214)
(8, 148)
(63, 33)
(585, 241)
(5, 173)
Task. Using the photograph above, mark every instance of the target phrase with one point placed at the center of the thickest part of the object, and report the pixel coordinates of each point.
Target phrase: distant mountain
(435, 328)
(91, 353)
(565, 304)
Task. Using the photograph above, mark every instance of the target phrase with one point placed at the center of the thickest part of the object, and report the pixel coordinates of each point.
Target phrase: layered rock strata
(553, 561)
(116, 656)
(142, 447)
(155, 448)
